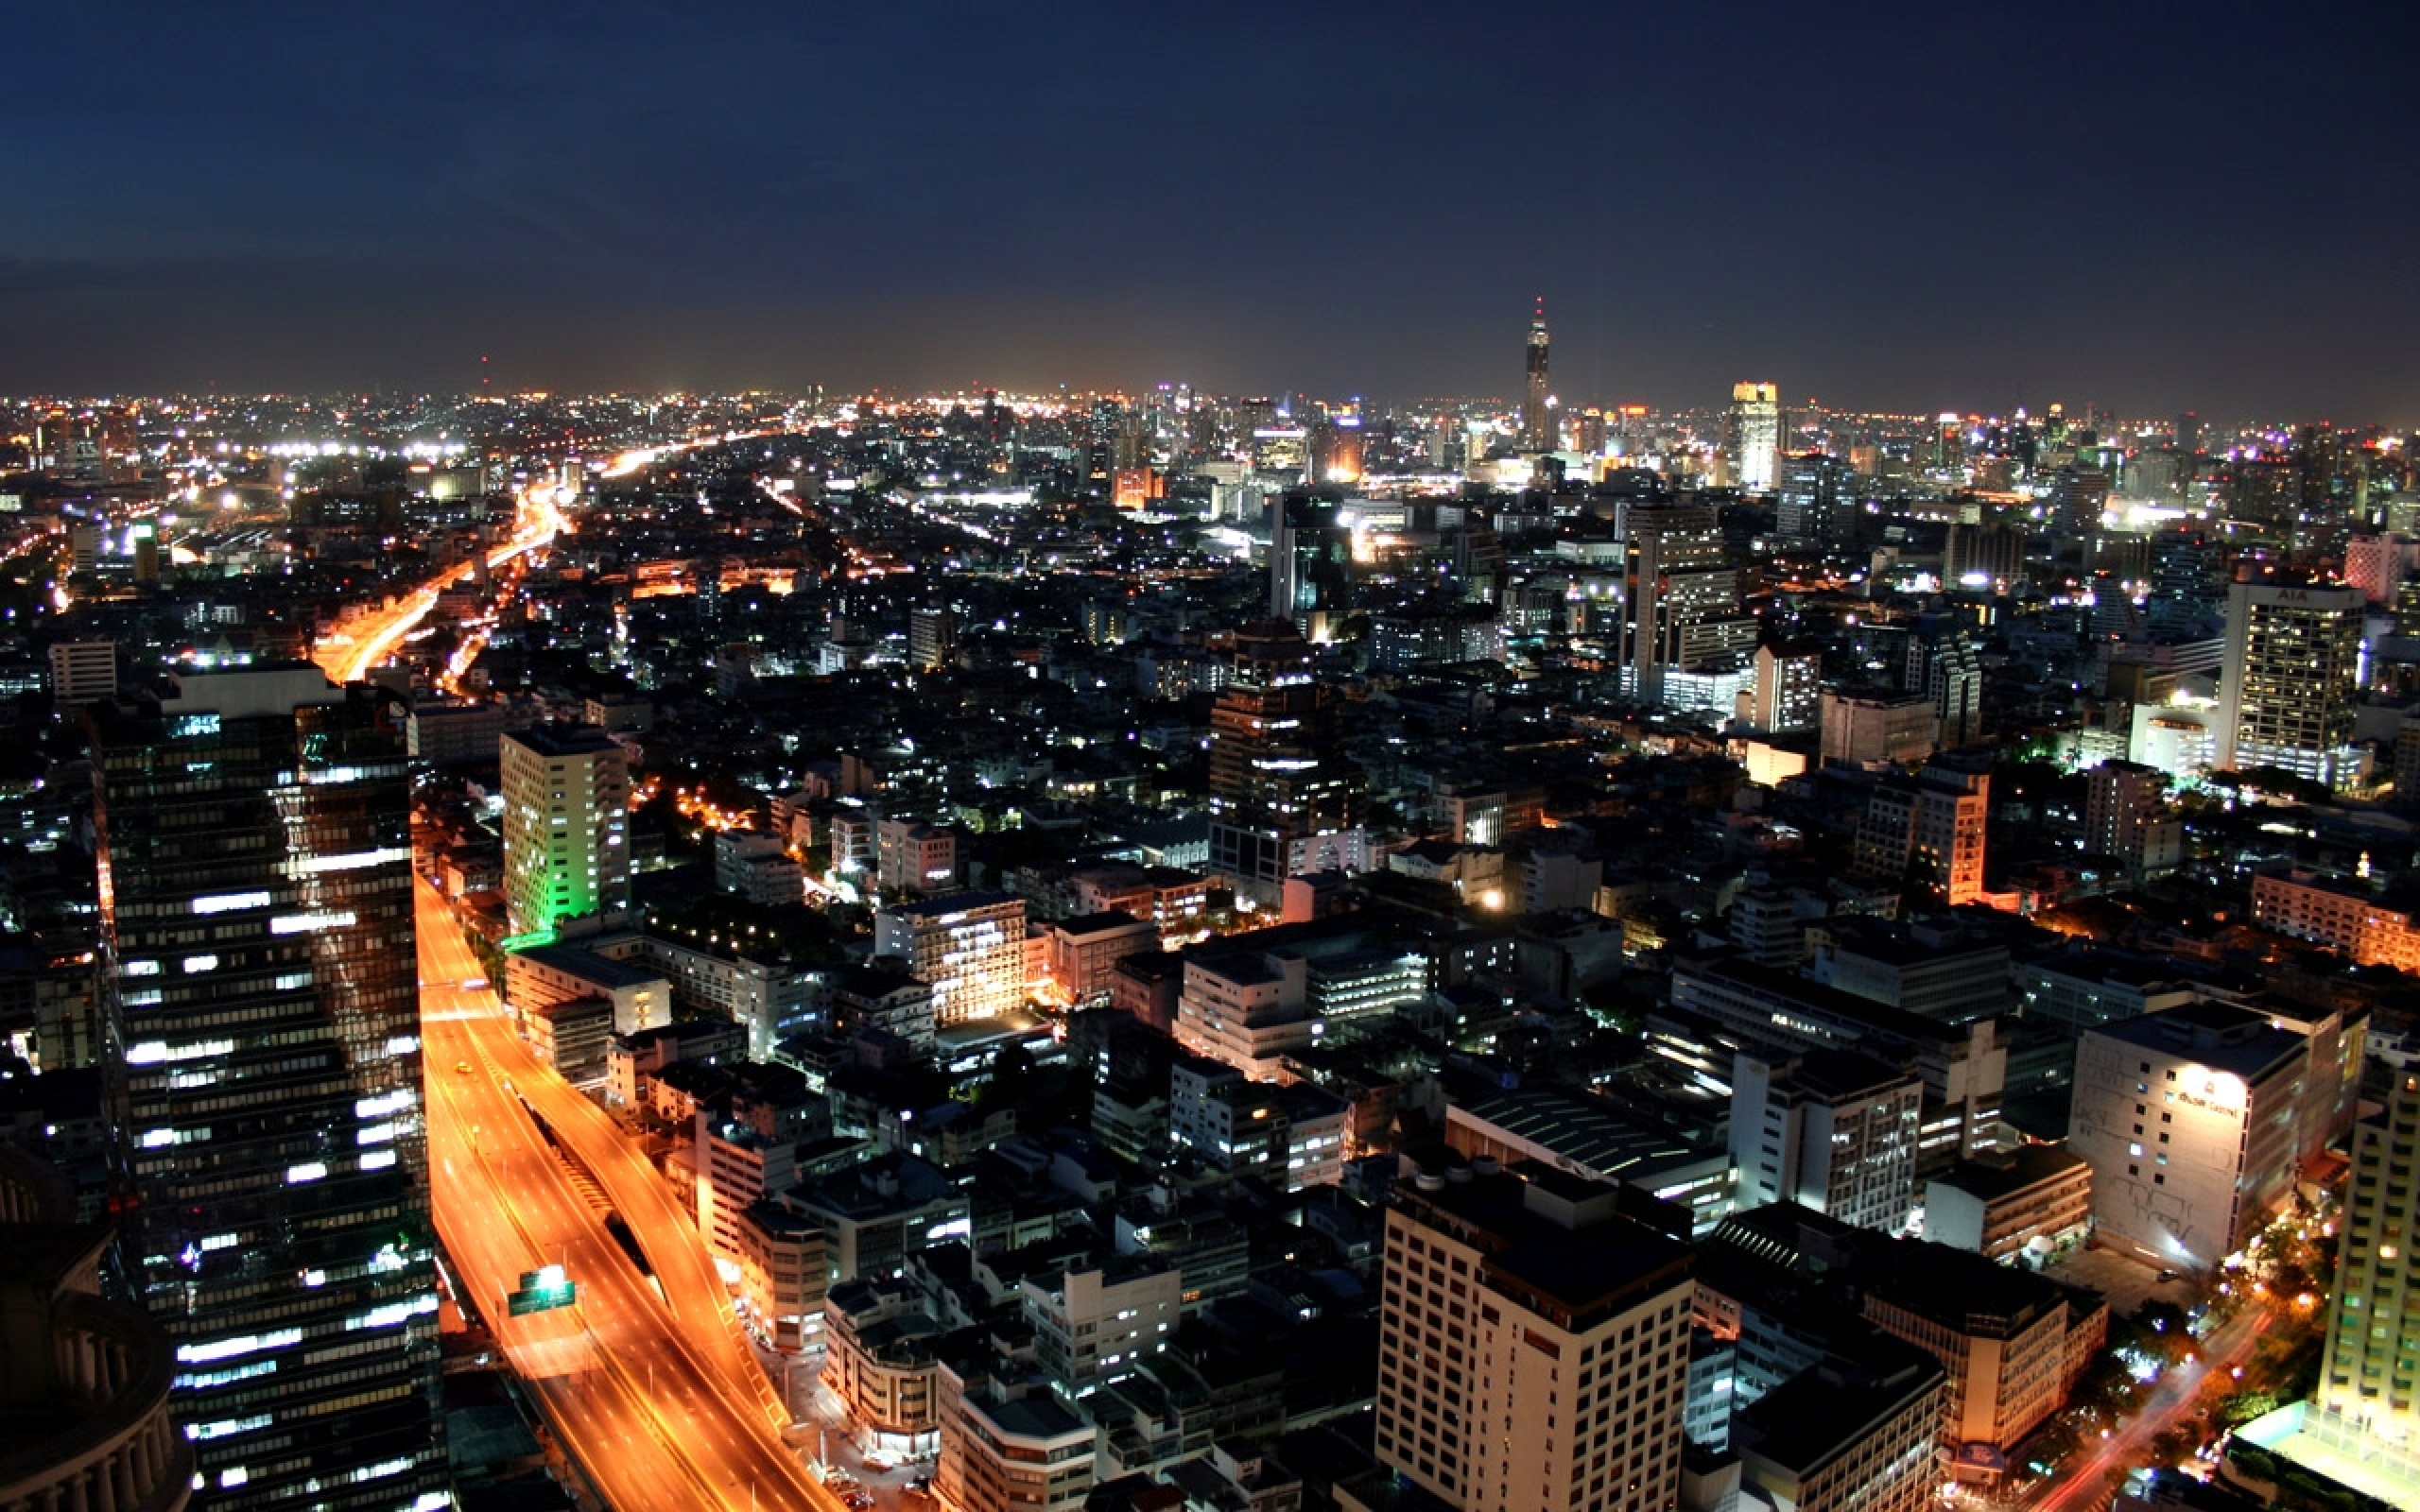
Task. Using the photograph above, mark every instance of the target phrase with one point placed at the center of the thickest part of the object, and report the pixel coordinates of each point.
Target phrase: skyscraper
(1310, 562)
(567, 829)
(1537, 414)
(2293, 652)
(1816, 493)
(1751, 436)
(2126, 816)
(256, 902)
(1680, 596)
(1283, 797)
(1944, 664)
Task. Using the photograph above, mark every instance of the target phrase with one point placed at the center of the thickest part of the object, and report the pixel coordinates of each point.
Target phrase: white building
(82, 671)
(911, 856)
(2294, 654)
(970, 946)
(1828, 1129)
(1095, 1324)
(2196, 1122)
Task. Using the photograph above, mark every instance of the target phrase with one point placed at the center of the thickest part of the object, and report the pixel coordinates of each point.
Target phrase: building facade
(567, 829)
(1534, 1347)
(257, 922)
(2293, 652)
(969, 947)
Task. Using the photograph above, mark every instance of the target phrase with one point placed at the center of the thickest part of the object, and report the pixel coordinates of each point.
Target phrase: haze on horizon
(2193, 207)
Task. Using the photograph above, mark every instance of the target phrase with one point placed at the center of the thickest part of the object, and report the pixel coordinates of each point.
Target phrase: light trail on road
(641, 1396)
(348, 655)
(2178, 1390)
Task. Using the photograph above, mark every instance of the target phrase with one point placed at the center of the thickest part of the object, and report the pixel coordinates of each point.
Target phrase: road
(700, 1302)
(2087, 1485)
(627, 1384)
(348, 655)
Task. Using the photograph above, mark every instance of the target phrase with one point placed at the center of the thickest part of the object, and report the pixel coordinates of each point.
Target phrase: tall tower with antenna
(1537, 415)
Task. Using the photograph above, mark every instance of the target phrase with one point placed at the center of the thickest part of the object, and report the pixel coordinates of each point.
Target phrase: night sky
(1950, 206)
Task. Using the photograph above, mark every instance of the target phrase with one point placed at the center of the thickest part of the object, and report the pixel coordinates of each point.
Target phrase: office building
(1310, 564)
(2293, 652)
(636, 997)
(2372, 1375)
(1930, 970)
(2343, 913)
(2079, 497)
(253, 837)
(1011, 1445)
(2126, 816)
(1833, 1130)
(1680, 610)
(1814, 501)
(932, 638)
(1788, 694)
(2357, 1431)
(1928, 830)
(1963, 1067)
(2021, 1205)
(1098, 1321)
(82, 671)
(1857, 1431)
(1537, 405)
(1082, 954)
(1875, 727)
(1534, 1342)
(910, 856)
(566, 831)
(757, 868)
(969, 947)
(446, 733)
(1752, 436)
(879, 1359)
(1945, 667)
(2196, 1122)
(2014, 1344)
(85, 1394)
(1283, 797)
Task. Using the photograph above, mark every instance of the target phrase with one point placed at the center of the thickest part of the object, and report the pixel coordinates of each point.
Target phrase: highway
(348, 655)
(627, 1383)
(361, 643)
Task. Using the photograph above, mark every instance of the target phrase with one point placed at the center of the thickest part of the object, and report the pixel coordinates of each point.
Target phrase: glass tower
(256, 894)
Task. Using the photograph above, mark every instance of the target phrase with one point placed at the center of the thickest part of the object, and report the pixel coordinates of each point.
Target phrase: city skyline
(1973, 216)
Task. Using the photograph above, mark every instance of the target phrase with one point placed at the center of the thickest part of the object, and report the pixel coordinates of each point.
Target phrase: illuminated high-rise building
(567, 829)
(1817, 494)
(1537, 409)
(2293, 652)
(1680, 596)
(1928, 830)
(969, 947)
(1751, 436)
(2372, 1375)
(254, 847)
(1310, 564)
(1283, 797)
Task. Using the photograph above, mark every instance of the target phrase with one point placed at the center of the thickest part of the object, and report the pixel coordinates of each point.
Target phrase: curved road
(348, 655)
